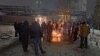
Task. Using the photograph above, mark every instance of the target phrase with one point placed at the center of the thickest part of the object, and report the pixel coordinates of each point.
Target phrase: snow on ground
(61, 49)
(97, 32)
(94, 38)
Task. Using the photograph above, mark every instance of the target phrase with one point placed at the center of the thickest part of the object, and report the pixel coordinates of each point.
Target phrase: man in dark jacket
(36, 34)
(16, 28)
(24, 35)
(75, 31)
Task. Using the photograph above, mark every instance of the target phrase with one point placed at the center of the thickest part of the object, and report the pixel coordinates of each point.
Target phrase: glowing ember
(56, 36)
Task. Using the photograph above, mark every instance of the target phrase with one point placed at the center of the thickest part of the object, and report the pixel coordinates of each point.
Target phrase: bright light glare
(40, 19)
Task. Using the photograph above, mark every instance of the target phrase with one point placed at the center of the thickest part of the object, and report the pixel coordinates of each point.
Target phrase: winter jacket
(84, 30)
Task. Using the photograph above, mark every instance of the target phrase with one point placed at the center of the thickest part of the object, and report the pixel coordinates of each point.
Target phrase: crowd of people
(28, 33)
(35, 32)
(80, 30)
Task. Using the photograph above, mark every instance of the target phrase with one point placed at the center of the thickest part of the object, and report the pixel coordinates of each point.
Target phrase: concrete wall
(12, 19)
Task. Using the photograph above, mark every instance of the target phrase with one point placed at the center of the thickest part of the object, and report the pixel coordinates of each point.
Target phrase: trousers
(37, 45)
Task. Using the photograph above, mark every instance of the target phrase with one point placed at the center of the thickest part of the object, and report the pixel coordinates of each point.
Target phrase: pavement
(6, 36)
(53, 49)
(6, 41)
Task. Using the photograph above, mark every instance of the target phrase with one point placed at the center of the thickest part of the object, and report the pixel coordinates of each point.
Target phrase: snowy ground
(94, 38)
(59, 49)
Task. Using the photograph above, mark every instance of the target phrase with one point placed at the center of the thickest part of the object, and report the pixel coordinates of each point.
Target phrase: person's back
(49, 29)
(43, 26)
(25, 28)
(20, 27)
(35, 30)
(48, 26)
(15, 25)
(76, 29)
(36, 34)
(24, 35)
(84, 30)
(16, 28)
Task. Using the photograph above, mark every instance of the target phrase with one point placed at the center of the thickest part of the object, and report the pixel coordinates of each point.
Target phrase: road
(52, 49)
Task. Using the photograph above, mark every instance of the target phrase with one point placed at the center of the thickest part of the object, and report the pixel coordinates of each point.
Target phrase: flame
(56, 36)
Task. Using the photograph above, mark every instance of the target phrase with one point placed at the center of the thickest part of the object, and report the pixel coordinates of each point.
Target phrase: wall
(12, 19)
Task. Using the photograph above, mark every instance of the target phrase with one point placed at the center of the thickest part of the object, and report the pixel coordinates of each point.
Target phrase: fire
(56, 36)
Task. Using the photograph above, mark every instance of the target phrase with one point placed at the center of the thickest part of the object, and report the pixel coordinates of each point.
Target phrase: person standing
(75, 32)
(24, 35)
(16, 28)
(43, 26)
(36, 33)
(84, 30)
(49, 31)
